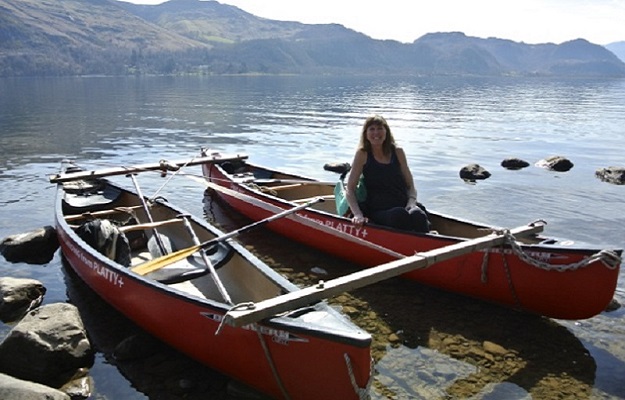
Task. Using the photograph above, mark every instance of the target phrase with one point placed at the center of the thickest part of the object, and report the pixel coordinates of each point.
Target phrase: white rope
(272, 365)
(363, 393)
(250, 306)
(241, 306)
(165, 166)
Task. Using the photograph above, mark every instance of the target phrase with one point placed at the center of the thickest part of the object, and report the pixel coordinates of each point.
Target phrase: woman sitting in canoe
(391, 198)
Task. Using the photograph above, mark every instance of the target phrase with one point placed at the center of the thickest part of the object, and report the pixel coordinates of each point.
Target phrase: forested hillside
(79, 37)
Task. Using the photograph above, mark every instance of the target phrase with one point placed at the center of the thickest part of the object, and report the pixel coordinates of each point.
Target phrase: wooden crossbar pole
(365, 277)
(160, 166)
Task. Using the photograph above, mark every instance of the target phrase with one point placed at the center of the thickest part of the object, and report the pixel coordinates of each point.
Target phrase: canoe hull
(496, 275)
(310, 361)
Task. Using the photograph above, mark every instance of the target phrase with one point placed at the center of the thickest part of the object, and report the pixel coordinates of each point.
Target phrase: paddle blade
(155, 248)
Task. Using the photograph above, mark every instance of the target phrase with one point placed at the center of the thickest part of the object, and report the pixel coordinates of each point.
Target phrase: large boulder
(47, 346)
(36, 247)
(18, 296)
(16, 389)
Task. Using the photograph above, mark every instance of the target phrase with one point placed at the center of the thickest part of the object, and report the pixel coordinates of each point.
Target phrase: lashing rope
(241, 306)
(249, 306)
(363, 393)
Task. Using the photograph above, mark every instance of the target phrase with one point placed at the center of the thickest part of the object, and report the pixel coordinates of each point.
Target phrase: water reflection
(156, 371)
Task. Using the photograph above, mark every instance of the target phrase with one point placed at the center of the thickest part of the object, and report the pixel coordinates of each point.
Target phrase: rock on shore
(48, 346)
(18, 296)
(16, 389)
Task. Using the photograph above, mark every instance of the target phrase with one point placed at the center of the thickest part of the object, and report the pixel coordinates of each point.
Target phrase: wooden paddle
(303, 297)
(160, 262)
(163, 242)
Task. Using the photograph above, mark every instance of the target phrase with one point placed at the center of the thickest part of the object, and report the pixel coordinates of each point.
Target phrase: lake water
(299, 124)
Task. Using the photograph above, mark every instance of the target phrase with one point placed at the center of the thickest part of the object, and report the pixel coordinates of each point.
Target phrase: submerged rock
(36, 247)
(613, 306)
(614, 175)
(136, 347)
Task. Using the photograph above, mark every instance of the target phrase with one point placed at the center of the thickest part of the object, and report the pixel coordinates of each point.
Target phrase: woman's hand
(359, 220)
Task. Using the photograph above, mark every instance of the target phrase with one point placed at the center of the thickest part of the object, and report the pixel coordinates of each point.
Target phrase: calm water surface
(299, 124)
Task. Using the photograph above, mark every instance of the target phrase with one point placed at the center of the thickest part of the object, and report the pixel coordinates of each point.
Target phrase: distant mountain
(64, 37)
(618, 48)
(212, 22)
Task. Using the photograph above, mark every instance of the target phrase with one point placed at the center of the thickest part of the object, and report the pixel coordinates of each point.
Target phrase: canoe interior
(302, 352)
(243, 280)
(281, 185)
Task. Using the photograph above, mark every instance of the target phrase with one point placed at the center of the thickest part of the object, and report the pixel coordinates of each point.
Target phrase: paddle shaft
(304, 221)
(146, 208)
(161, 262)
(207, 262)
(311, 294)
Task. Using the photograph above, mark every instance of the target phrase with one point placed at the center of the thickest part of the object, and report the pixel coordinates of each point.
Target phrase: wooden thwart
(290, 182)
(311, 294)
(160, 166)
(307, 199)
(95, 214)
(150, 225)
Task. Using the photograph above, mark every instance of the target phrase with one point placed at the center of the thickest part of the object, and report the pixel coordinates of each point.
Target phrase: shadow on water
(433, 344)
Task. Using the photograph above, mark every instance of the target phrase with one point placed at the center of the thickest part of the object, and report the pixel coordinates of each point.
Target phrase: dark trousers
(398, 217)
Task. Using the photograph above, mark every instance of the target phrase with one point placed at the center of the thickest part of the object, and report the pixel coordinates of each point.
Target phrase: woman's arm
(411, 189)
(350, 188)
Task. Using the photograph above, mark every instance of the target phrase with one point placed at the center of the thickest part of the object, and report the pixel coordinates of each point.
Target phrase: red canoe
(535, 274)
(309, 353)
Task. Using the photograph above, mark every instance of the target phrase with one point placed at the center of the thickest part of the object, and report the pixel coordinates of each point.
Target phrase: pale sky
(530, 21)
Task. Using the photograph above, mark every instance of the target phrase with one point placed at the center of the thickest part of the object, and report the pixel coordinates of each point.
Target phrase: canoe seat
(193, 266)
(90, 198)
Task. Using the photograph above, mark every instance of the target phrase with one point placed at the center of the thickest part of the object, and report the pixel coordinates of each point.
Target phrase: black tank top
(386, 187)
